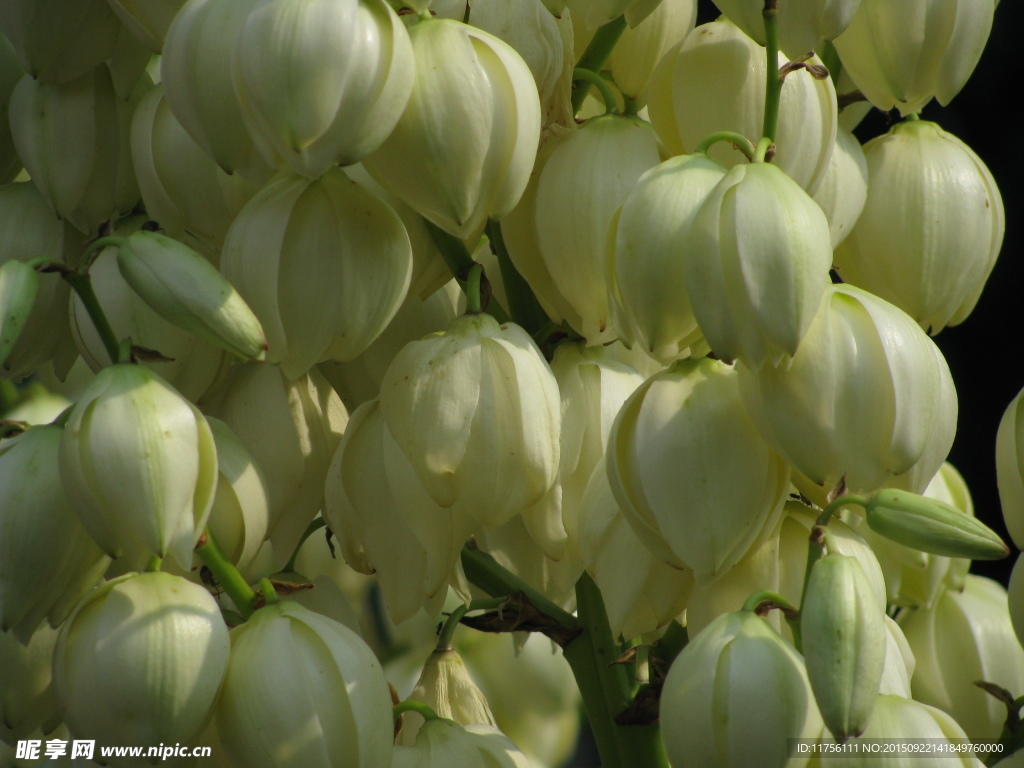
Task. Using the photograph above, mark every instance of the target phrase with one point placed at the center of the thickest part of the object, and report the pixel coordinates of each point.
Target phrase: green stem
(411, 705)
(459, 261)
(741, 142)
(579, 74)
(227, 575)
(760, 602)
(523, 306)
(595, 56)
(773, 84)
(154, 564)
(444, 637)
(473, 290)
(911, 117)
(830, 58)
(819, 533)
(837, 504)
(267, 590)
(312, 528)
(82, 285)
(92, 249)
(761, 150)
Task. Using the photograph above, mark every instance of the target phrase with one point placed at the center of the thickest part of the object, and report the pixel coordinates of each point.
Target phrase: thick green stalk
(82, 285)
(460, 262)
(595, 56)
(738, 140)
(523, 306)
(773, 84)
(241, 594)
(611, 104)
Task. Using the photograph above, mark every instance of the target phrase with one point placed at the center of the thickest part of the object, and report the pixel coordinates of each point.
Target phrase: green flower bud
(306, 419)
(447, 688)
(140, 465)
(735, 684)
(303, 691)
(844, 643)
(140, 662)
(867, 396)
(641, 593)
(185, 289)
(147, 20)
(685, 104)
(19, 285)
(476, 412)
(463, 149)
(193, 366)
(183, 188)
(1010, 468)
(963, 637)
(648, 280)
(29, 230)
(802, 26)
(196, 71)
(932, 227)
(900, 55)
(932, 526)
(342, 262)
(703, 509)
(584, 181)
(10, 74)
(844, 187)
(59, 40)
(323, 82)
(27, 701)
(73, 140)
(757, 266)
(445, 742)
(50, 562)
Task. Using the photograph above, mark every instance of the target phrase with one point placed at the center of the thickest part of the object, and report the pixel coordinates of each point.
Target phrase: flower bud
(10, 74)
(324, 82)
(191, 365)
(476, 412)
(342, 262)
(734, 487)
(1010, 468)
(1015, 596)
(50, 562)
(757, 265)
(648, 281)
(966, 636)
(447, 688)
(306, 419)
(240, 511)
(844, 187)
(29, 230)
(185, 289)
(445, 742)
(59, 40)
(303, 691)
(640, 592)
(140, 662)
(735, 684)
(844, 643)
(27, 702)
(182, 187)
(196, 69)
(932, 227)
(73, 140)
(802, 26)
(19, 285)
(685, 103)
(140, 465)
(584, 181)
(932, 526)
(866, 397)
(147, 20)
(471, 85)
(900, 55)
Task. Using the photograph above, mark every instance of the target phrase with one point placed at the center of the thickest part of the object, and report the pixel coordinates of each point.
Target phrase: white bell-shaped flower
(699, 507)
(900, 55)
(1010, 468)
(147, 20)
(139, 464)
(932, 226)
(802, 25)
(866, 396)
(463, 149)
(445, 742)
(323, 702)
(686, 105)
(340, 260)
(10, 74)
(322, 82)
(140, 662)
(844, 188)
(27, 701)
